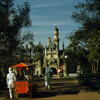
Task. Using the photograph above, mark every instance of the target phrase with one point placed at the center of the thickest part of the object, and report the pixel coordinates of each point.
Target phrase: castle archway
(54, 70)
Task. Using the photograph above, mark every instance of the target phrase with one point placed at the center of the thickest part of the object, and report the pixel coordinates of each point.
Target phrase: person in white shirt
(47, 77)
(11, 78)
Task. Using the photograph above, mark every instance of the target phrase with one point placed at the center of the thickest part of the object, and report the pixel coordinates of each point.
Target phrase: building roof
(56, 29)
(51, 44)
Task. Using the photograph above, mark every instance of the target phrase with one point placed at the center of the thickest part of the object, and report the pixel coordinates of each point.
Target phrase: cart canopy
(22, 65)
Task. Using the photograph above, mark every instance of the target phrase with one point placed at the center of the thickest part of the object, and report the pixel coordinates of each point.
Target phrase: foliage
(11, 22)
(38, 52)
(88, 35)
(77, 56)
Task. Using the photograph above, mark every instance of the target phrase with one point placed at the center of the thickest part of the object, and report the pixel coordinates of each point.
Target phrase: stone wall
(38, 68)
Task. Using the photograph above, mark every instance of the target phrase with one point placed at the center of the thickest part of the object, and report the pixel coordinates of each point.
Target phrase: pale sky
(46, 13)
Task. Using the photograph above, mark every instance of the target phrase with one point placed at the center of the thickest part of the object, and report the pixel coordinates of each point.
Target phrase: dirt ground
(62, 89)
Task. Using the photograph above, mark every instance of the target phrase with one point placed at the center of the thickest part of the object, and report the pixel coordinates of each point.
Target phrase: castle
(53, 56)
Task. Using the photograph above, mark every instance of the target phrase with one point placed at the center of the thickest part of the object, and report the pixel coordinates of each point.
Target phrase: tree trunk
(97, 66)
(92, 66)
(2, 70)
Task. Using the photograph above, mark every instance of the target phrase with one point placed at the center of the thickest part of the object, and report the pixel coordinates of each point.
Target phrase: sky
(45, 14)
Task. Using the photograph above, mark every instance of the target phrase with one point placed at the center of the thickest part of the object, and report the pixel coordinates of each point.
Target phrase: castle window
(51, 56)
(51, 49)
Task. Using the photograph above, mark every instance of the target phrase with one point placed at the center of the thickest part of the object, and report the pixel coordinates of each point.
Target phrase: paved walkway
(63, 89)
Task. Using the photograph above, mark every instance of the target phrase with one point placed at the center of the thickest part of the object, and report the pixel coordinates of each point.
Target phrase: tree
(11, 22)
(38, 52)
(77, 56)
(88, 35)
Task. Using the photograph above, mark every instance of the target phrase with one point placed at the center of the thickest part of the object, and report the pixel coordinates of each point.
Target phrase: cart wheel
(16, 95)
(31, 94)
(30, 97)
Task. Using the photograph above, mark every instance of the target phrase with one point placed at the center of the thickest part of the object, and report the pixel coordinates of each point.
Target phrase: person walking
(11, 78)
(47, 77)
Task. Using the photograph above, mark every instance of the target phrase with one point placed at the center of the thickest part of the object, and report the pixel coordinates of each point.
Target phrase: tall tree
(11, 22)
(88, 35)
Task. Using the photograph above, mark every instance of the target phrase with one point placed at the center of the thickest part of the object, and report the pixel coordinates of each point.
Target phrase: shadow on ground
(52, 94)
(59, 87)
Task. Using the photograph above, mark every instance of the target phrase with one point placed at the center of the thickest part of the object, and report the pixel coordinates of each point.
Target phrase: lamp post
(66, 72)
(30, 49)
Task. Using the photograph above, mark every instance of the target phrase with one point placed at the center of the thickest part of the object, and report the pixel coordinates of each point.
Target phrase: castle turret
(56, 39)
(48, 41)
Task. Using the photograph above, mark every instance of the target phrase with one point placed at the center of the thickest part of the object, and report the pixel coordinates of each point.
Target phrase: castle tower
(48, 40)
(56, 39)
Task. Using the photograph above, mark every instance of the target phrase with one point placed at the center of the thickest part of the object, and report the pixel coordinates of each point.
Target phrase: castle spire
(55, 27)
(56, 38)
(63, 44)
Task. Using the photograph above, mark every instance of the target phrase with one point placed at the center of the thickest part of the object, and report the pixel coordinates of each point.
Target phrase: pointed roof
(40, 45)
(22, 65)
(56, 29)
(51, 44)
(63, 44)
